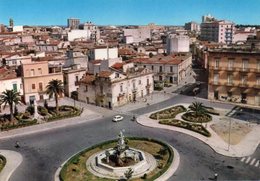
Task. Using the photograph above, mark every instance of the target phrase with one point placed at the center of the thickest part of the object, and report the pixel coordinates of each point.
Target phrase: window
(216, 63)
(230, 79)
(216, 77)
(32, 72)
(40, 71)
(244, 80)
(40, 86)
(33, 86)
(147, 81)
(229, 94)
(77, 78)
(15, 87)
(152, 67)
(245, 64)
(230, 64)
(258, 81)
(101, 89)
(171, 70)
(140, 82)
(121, 88)
(160, 68)
(144, 66)
(86, 88)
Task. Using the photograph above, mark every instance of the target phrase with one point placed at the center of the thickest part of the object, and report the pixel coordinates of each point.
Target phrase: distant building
(103, 52)
(73, 23)
(95, 32)
(79, 34)
(177, 43)
(138, 34)
(234, 76)
(192, 26)
(17, 28)
(217, 31)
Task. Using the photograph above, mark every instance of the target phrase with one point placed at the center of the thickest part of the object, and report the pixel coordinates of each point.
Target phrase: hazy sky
(119, 12)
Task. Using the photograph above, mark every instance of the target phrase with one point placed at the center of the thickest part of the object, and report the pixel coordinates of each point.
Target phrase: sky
(127, 12)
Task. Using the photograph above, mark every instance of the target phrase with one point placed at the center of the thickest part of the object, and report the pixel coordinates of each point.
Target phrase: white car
(118, 118)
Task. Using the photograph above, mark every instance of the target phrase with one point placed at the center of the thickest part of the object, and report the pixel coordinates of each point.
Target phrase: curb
(205, 140)
(13, 160)
(43, 127)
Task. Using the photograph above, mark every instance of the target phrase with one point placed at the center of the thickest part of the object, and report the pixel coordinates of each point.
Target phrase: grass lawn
(76, 168)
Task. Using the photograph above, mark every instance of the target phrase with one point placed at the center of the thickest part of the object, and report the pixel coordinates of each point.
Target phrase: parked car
(117, 118)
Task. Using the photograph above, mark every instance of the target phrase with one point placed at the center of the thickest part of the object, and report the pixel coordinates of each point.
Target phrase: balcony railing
(230, 84)
(243, 85)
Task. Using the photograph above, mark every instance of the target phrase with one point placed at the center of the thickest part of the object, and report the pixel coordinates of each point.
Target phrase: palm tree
(11, 98)
(198, 108)
(55, 87)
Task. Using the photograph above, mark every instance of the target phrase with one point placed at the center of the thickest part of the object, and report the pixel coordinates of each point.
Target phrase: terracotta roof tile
(105, 74)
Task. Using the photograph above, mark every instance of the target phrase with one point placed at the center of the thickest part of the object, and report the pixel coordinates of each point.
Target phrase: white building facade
(178, 43)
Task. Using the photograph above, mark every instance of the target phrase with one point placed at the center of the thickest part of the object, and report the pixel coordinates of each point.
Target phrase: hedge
(169, 112)
(21, 123)
(186, 125)
(191, 118)
(166, 167)
(4, 161)
(65, 115)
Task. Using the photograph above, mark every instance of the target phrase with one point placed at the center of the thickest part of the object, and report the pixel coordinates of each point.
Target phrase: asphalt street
(44, 152)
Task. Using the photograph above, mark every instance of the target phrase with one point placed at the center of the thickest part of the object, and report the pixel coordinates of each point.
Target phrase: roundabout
(122, 159)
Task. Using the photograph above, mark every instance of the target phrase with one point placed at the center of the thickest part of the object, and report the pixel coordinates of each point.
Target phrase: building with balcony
(35, 77)
(171, 68)
(234, 75)
(120, 85)
(220, 31)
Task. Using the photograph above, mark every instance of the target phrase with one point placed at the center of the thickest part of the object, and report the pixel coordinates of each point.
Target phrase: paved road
(44, 152)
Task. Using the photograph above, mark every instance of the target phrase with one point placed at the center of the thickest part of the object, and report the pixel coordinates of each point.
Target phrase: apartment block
(35, 78)
(234, 76)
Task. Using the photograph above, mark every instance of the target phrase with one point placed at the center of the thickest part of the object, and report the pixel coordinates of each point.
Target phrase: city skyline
(127, 12)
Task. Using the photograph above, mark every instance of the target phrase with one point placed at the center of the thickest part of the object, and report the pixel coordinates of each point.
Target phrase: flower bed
(190, 126)
(65, 112)
(168, 113)
(18, 124)
(192, 117)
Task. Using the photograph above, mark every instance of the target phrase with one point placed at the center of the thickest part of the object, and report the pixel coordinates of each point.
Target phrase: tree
(55, 87)
(11, 98)
(198, 108)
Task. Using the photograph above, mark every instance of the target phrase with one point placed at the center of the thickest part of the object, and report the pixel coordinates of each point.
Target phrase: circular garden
(75, 168)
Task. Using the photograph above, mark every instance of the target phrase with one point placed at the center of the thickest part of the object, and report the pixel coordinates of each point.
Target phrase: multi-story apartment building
(218, 31)
(234, 75)
(35, 78)
(172, 68)
(137, 34)
(73, 23)
(192, 26)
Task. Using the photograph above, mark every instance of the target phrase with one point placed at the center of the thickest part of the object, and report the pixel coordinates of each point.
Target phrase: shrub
(30, 109)
(191, 117)
(42, 110)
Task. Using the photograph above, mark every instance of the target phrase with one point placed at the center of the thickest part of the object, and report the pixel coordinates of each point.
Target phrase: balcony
(257, 86)
(77, 83)
(229, 84)
(243, 69)
(243, 85)
(255, 70)
(214, 68)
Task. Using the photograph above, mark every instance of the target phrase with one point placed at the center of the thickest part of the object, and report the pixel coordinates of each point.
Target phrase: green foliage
(42, 110)
(46, 104)
(198, 108)
(192, 117)
(30, 109)
(20, 124)
(168, 113)
(73, 111)
(10, 98)
(15, 110)
(190, 126)
(55, 87)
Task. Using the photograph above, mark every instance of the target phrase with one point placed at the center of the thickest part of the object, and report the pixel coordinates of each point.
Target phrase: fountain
(114, 162)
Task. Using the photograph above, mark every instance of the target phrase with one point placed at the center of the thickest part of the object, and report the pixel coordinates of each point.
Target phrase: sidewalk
(87, 115)
(13, 160)
(246, 147)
